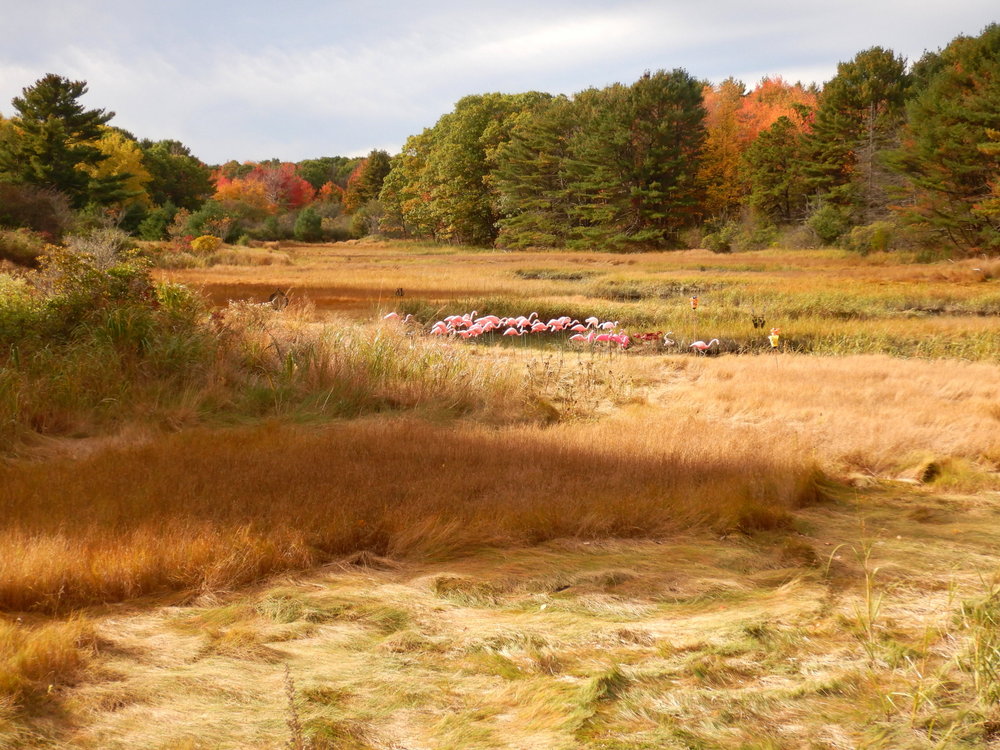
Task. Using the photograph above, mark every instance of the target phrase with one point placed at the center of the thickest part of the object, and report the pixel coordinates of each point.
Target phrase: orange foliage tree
(268, 188)
(734, 119)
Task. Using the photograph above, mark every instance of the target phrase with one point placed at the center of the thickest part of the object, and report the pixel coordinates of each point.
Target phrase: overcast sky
(294, 79)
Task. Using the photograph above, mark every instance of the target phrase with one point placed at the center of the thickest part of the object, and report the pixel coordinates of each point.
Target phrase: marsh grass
(37, 658)
(208, 510)
(826, 302)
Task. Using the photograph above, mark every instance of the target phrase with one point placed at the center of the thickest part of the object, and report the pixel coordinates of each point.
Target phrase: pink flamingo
(579, 328)
(513, 332)
(702, 347)
(391, 316)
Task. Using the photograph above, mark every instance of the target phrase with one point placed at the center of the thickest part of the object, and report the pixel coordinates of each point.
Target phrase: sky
(300, 79)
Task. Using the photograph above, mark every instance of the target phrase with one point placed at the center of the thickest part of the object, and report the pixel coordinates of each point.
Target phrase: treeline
(883, 151)
(65, 168)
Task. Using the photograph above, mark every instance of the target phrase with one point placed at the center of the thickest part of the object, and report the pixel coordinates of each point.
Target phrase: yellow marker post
(775, 337)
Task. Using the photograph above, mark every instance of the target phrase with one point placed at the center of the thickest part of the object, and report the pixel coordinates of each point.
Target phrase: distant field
(828, 302)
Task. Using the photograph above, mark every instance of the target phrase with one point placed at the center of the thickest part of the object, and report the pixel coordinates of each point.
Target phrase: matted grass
(763, 641)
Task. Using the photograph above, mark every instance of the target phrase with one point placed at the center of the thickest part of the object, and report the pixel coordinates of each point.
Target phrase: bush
(337, 230)
(829, 222)
(741, 236)
(878, 237)
(721, 240)
(107, 247)
(21, 246)
(207, 243)
(154, 226)
(367, 218)
(756, 237)
(41, 209)
(308, 226)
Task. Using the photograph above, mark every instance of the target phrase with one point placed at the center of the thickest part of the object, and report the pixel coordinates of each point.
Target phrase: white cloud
(341, 77)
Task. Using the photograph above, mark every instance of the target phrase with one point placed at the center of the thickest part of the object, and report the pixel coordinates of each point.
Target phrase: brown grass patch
(210, 510)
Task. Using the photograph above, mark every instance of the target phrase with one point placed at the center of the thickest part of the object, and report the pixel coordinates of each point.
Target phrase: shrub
(829, 222)
(756, 237)
(878, 237)
(337, 230)
(207, 243)
(106, 246)
(367, 218)
(21, 246)
(41, 209)
(308, 226)
(721, 240)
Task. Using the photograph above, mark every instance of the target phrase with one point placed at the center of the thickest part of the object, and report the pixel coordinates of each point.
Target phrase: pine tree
(635, 162)
(530, 178)
(949, 153)
(773, 165)
(52, 137)
(860, 113)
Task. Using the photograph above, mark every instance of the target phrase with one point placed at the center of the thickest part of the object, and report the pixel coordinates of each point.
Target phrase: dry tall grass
(209, 510)
(870, 413)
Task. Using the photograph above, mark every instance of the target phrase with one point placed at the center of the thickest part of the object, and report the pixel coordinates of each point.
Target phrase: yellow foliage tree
(123, 157)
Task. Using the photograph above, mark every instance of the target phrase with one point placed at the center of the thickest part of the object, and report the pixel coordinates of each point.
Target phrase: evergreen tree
(635, 162)
(530, 178)
(773, 165)
(860, 112)
(52, 138)
(308, 226)
(949, 153)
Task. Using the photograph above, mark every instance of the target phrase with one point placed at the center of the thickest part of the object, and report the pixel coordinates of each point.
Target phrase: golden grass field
(528, 544)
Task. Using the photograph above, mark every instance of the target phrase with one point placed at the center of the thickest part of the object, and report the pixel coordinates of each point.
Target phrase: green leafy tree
(53, 140)
(948, 153)
(335, 169)
(176, 175)
(406, 194)
(463, 158)
(440, 185)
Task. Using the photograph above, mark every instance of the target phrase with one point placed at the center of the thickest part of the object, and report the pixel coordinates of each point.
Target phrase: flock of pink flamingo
(591, 330)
